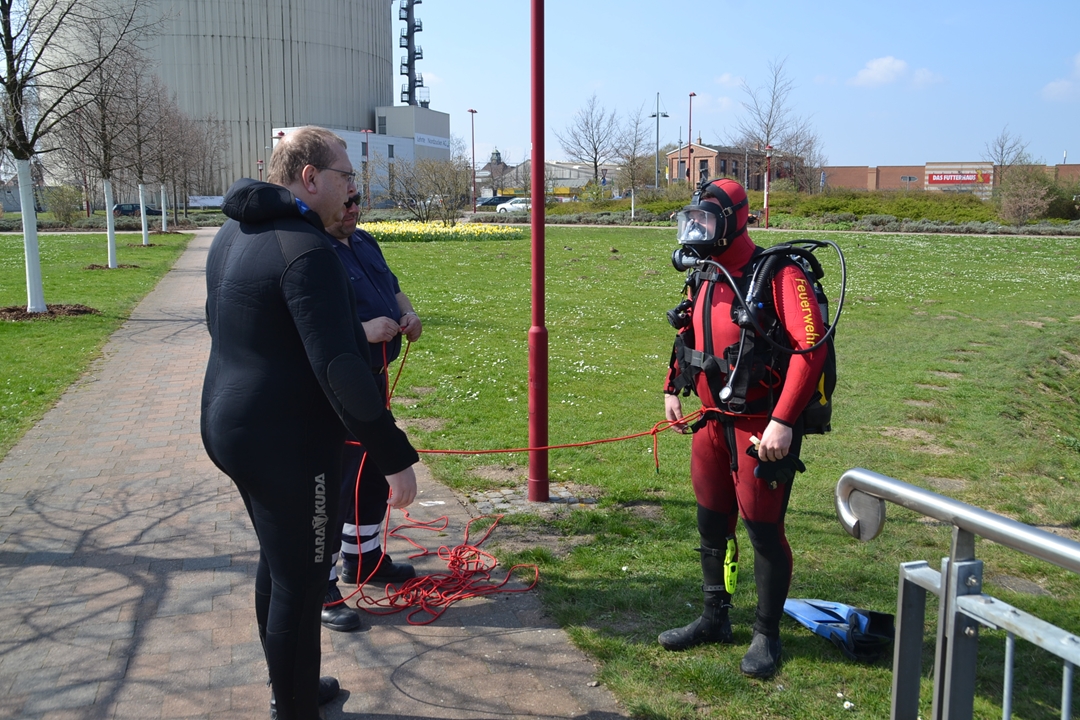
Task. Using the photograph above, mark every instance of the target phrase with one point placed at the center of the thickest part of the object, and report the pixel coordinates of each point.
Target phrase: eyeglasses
(353, 200)
(350, 175)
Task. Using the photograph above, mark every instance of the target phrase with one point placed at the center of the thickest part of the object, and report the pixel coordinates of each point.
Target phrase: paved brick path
(127, 568)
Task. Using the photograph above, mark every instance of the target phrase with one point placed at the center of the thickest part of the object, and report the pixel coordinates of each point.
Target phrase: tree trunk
(142, 214)
(35, 293)
(164, 211)
(110, 222)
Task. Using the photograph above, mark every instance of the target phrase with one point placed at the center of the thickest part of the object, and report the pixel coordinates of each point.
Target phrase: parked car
(515, 205)
(132, 209)
(126, 209)
(490, 203)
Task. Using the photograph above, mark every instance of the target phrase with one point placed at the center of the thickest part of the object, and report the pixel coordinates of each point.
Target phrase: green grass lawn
(959, 368)
(40, 358)
(959, 362)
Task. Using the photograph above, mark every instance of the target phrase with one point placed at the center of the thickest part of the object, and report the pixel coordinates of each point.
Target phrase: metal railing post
(1007, 688)
(907, 647)
(1066, 690)
(962, 650)
(963, 608)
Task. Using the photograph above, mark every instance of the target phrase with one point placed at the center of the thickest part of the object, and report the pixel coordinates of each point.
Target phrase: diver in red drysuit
(724, 477)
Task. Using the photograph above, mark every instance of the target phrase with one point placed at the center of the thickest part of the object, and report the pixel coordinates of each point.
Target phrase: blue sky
(884, 83)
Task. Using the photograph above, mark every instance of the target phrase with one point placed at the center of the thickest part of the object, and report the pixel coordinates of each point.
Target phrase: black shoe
(338, 617)
(763, 657)
(328, 690)
(699, 632)
(388, 572)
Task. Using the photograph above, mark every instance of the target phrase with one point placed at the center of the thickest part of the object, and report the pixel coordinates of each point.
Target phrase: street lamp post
(768, 172)
(367, 155)
(260, 164)
(657, 115)
(472, 122)
(690, 143)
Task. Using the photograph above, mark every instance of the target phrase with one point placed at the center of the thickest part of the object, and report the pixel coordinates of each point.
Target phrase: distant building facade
(977, 178)
(403, 133)
(747, 165)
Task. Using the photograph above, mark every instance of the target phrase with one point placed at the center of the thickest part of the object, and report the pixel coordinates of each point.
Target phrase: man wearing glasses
(288, 378)
(386, 313)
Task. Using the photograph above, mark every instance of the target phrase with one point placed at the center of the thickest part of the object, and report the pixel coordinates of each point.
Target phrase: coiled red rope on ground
(468, 567)
(468, 575)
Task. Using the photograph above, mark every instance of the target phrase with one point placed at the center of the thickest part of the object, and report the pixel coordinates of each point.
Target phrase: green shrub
(63, 202)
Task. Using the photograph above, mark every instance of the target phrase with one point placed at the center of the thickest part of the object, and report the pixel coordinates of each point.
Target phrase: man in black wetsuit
(288, 376)
(386, 314)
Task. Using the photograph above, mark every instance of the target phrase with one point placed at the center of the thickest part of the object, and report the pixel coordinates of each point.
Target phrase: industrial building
(262, 68)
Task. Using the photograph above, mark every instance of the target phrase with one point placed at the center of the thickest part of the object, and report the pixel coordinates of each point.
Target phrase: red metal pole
(538, 337)
(472, 116)
(690, 143)
(768, 175)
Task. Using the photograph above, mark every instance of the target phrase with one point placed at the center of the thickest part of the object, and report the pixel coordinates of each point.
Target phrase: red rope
(468, 567)
(468, 575)
(656, 429)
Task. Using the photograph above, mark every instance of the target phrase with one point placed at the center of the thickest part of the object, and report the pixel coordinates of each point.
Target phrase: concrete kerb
(127, 567)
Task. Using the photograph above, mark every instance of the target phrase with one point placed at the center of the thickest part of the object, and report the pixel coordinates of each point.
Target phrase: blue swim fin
(862, 635)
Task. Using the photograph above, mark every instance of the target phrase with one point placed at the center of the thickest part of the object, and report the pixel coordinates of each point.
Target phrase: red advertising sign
(958, 178)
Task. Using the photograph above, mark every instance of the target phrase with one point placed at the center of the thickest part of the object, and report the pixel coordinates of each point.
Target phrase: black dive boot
(763, 658)
(713, 626)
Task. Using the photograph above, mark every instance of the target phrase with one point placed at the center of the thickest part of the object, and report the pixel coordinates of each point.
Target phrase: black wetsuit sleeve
(319, 299)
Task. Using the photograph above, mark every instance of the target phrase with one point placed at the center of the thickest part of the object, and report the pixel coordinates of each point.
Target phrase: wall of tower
(278, 63)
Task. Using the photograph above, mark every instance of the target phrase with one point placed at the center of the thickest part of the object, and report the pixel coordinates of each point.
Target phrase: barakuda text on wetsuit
(319, 520)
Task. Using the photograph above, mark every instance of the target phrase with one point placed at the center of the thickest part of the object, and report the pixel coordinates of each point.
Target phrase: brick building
(747, 165)
(974, 177)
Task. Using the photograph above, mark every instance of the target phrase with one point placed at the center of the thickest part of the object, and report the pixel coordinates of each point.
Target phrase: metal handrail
(864, 521)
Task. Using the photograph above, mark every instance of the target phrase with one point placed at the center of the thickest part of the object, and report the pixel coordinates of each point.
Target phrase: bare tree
(210, 150)
(662, 158)
(633, 153)
(449, 181)
(46, 61)
(74, 165)
(802, 148)
(429, 188)
(163, 149)
(145, 115)
(1025, 195)
(522, 178)
(767, 116)
(770, 120)
(108, 112)
(591, 137)
(1004, 151)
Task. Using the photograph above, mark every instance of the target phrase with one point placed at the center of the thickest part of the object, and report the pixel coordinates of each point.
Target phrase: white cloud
(880, 71)
(1058, 90)
(729, 80)
(1064, 88)
(925, 78)
(431, 78)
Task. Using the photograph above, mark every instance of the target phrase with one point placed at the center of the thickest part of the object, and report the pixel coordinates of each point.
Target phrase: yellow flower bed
(411, 231)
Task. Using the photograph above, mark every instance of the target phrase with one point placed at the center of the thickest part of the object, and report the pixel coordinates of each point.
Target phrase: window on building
(735, 168)
(363, 149)
(703, 169)
(390, 152)
(381, 125)
(723, 166)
